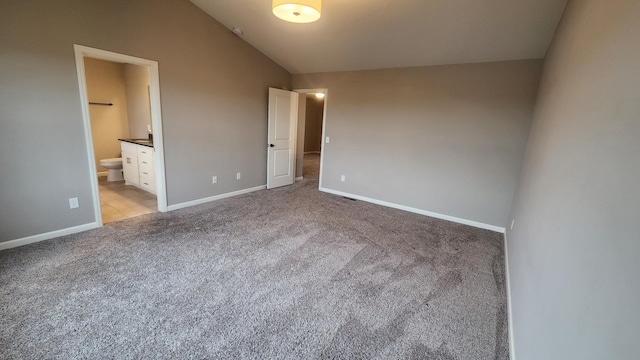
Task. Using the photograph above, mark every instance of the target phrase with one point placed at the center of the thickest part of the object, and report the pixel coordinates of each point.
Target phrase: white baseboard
(299, 178)
(512, 345)
(48, 235)
(312, 152)
(417, 211)
(214, 198)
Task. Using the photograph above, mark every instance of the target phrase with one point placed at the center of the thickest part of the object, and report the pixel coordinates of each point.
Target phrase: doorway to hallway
(311, 134)
(314, 114)
(311, 167)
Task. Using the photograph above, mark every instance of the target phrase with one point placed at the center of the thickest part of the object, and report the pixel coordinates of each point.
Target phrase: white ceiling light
(320, 95)
(297, 11)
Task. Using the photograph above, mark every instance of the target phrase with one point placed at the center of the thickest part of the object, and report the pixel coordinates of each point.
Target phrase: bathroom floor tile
(109, 214)
(119, 201)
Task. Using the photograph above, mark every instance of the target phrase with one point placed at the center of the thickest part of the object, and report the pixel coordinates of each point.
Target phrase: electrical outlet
(214, 180)
(73, 203)
(343, 178)
(327, 140)
(238, 176)
(513, 222)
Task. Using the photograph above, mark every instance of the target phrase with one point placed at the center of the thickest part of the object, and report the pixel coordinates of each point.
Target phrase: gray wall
(313, 125)
(214, 91)
(574, 252)
(445, 139)
(138, 102)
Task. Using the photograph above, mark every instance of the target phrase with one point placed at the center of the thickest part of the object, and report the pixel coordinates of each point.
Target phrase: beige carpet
(276, 274)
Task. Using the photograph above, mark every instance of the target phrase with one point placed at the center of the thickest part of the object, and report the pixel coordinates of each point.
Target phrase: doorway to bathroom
(120, 100)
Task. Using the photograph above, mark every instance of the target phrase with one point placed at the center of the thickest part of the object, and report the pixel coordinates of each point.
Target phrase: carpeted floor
(285, 273)
(311, 166)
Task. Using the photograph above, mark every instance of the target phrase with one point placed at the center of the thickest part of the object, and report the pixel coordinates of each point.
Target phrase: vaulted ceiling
(372, 34)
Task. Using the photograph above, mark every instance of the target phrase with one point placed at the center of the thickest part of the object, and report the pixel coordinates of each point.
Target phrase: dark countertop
(143, 142)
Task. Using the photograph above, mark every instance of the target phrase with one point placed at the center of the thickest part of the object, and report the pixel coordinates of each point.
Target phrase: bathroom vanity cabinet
(138, 165)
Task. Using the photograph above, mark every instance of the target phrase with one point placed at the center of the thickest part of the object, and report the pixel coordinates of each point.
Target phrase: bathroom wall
(313, 124)
(106, 84)
(138, 103)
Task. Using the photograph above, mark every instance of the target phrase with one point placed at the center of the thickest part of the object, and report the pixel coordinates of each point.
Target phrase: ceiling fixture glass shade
(297, 11)
(320, 95)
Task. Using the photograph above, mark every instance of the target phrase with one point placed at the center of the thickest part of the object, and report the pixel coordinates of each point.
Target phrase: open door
(281, 138)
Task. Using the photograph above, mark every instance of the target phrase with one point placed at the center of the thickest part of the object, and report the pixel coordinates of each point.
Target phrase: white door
(281, 138)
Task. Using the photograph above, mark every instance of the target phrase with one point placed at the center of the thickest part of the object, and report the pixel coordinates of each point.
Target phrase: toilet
(115, 168)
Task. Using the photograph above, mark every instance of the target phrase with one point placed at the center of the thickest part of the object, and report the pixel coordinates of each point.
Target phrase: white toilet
(115, 168)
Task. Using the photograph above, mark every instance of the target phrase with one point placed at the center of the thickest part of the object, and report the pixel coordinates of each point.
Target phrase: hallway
(311, 166)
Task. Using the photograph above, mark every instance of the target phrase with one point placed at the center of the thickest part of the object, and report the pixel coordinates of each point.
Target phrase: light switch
(327, 140)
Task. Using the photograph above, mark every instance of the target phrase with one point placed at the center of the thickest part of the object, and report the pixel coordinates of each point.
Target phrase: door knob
(271, 145)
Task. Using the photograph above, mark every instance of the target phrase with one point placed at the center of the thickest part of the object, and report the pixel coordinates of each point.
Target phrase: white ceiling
(372, 34)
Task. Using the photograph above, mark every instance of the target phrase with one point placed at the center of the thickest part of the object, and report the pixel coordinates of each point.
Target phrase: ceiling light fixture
(320, 95)
(297, 11)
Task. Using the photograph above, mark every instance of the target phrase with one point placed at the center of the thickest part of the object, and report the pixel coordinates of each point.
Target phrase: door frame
(324, 125)
(156, 119)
